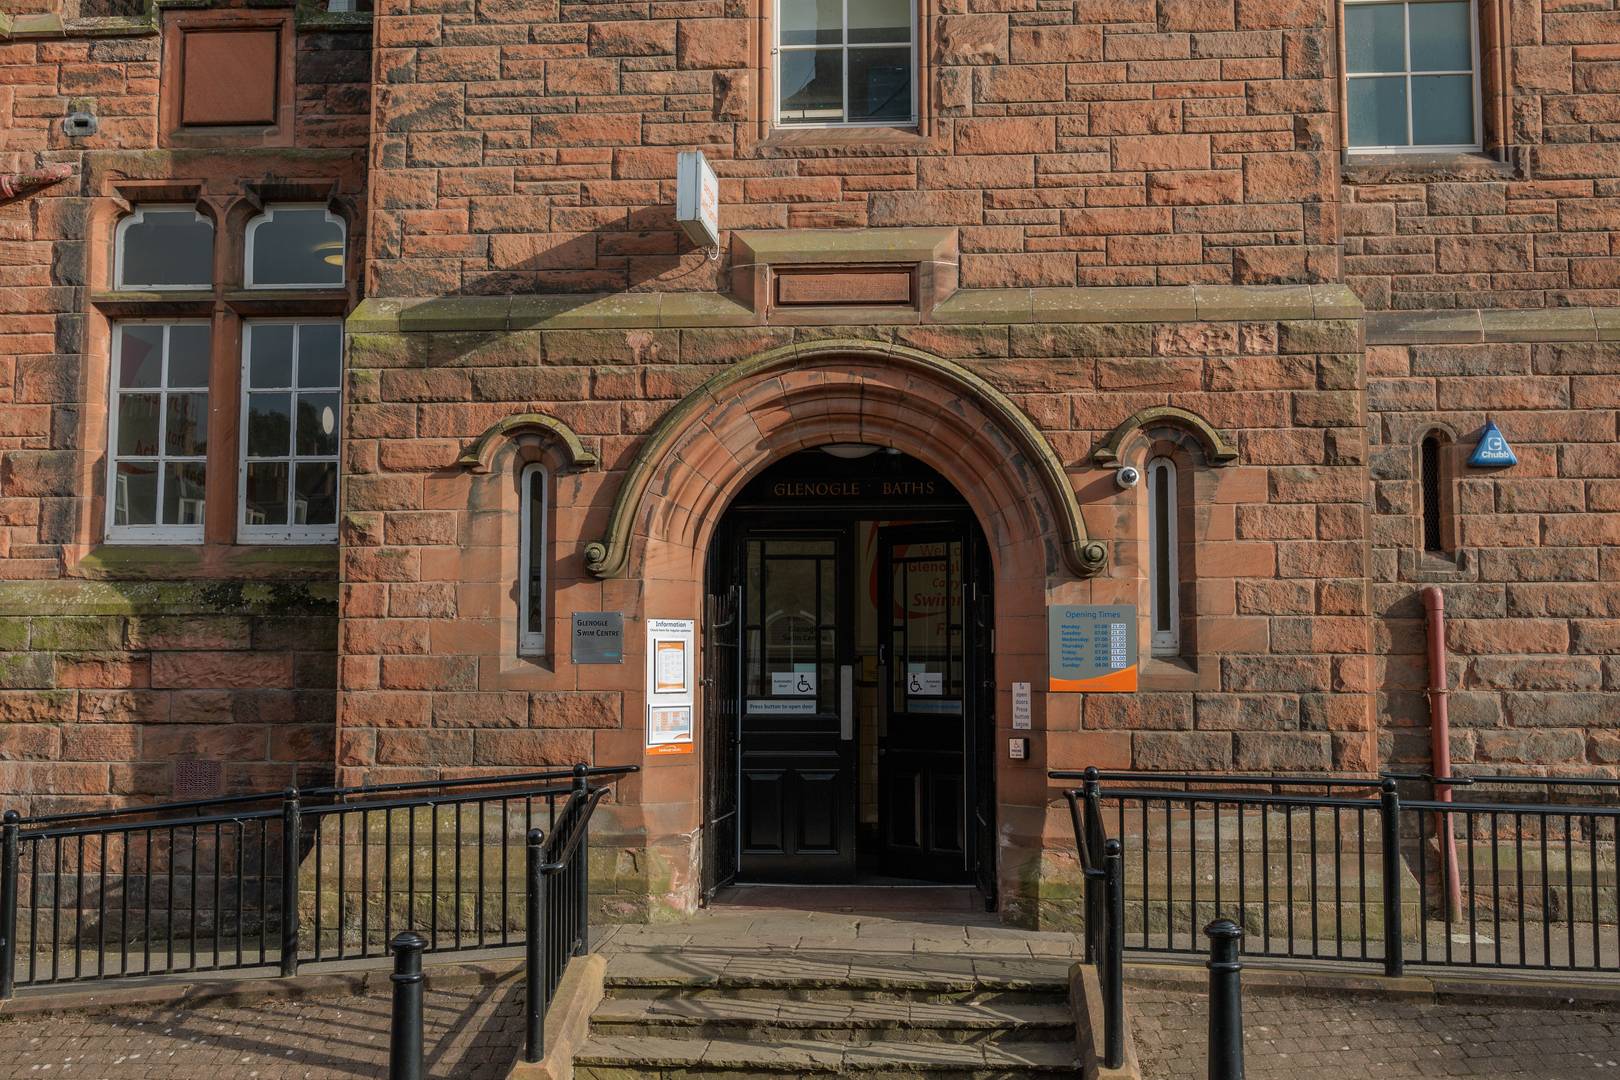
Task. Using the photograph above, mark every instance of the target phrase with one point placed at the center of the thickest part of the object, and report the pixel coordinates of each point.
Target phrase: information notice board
(670, 669)
(1091, 648)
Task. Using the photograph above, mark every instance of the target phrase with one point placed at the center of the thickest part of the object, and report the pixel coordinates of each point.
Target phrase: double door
(809, 704)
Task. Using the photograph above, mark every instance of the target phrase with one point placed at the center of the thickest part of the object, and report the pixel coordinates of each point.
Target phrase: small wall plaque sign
(598, 637)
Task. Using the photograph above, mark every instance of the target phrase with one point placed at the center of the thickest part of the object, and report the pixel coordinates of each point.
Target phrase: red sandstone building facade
(358, 353)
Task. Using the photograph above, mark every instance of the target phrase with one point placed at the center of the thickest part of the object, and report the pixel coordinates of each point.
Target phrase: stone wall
(1534, 231)
(1533, 594)
(1276, 674)
(527, 147)
(117, 663)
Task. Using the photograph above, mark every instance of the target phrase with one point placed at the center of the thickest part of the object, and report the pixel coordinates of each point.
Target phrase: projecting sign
(670, 645)
(697, 199)
(1091, 648)
(598, 637)
(1493, 451)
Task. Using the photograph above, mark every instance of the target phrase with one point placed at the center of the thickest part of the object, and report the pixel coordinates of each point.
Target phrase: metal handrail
(1348, 878)
(330, 792)
(113, 895)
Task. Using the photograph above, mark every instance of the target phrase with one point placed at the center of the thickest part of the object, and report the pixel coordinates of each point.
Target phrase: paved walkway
(1353, 1036)
(471, 1033)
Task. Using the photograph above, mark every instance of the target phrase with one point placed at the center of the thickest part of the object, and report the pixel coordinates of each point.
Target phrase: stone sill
(1479, 325)
(1400, 168)
(800, 247)
(159, 562)
(1173, 303)
(822, 142)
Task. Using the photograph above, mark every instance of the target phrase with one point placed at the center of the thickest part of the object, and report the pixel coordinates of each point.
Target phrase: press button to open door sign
(1091, 648)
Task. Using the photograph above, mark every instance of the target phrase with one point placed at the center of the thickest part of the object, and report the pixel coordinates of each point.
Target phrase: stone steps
(741, 1019)
(708, 1013)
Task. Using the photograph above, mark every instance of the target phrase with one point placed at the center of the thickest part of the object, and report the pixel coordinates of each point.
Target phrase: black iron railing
(1344, 868)
(276, 880)
(1102, 864)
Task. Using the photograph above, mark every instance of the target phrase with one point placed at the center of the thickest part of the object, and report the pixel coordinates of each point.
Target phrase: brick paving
(471, 1033)
(1351, 1036)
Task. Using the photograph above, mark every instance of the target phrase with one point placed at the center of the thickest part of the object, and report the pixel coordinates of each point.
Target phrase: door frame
(726, 560)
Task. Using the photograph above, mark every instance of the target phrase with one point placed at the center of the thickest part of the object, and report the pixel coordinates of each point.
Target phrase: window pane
(135, 493)
(189, 345)
(297, 247)
(183, 493)
(168, 248)
(140, 355)
(317, 424)
(534, 587)
(266, 493)
(880, 84)
(1161, 550)
(1375, 37)
(886, 21)
(269, 425)
(320, 347)
(1444, 115)
(270, 358)
(1378, 112)
(812, 22)
(187, 432)
(1441, 38)
(315, 502)
(813, 86)
(138, 424)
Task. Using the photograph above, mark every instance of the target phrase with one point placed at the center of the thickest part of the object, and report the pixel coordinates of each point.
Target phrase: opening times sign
(1091, 648)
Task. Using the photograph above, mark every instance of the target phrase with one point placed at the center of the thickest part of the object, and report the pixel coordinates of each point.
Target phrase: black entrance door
(927, 696)
(797, 739)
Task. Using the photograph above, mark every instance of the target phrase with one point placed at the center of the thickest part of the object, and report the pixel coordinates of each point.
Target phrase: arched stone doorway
(671, 500)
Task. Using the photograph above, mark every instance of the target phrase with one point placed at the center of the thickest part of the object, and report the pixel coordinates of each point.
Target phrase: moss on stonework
(13, 635)
(82, 598)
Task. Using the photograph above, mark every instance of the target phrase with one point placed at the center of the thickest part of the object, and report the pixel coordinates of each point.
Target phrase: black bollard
(1225, 1001)
(405, 1030)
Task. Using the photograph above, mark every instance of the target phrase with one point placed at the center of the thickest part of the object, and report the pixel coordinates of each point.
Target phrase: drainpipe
(16, 185)
(1434, 607)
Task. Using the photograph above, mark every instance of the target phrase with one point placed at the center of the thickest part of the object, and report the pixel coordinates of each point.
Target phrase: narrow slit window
(290, 409)
(1434, 538)
(1163, 571)
(532, 560)
(158, 432)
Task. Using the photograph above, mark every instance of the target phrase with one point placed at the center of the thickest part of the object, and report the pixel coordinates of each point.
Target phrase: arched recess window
(534, 504)
(164, 247)
(300, 246)
(1437, 529)
(1164, 573)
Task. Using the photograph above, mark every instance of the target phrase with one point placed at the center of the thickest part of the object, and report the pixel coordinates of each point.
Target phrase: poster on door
(671, 646)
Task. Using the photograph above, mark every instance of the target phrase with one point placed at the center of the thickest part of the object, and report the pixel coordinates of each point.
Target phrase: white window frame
(1161, 473)
(159, 533)
(139, 216)
(269, 215)
(290, 533)
(532, 551)
(1409, 147)
(777, 49)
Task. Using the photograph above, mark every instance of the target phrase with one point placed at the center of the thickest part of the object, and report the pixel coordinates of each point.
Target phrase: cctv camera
(1128, 477)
